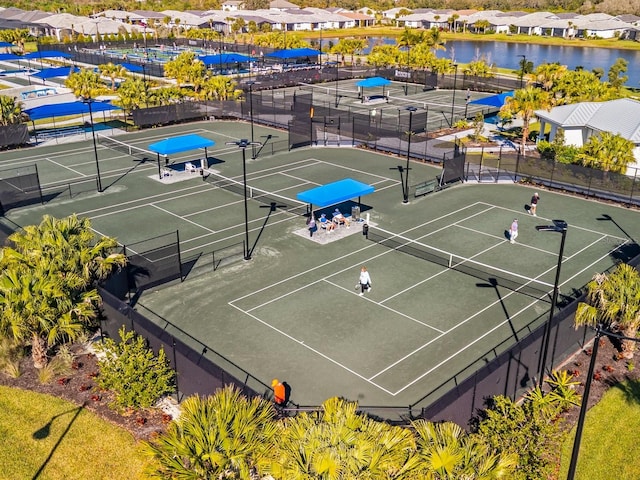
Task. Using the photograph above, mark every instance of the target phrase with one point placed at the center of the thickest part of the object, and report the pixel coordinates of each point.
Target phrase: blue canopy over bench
(335, 193)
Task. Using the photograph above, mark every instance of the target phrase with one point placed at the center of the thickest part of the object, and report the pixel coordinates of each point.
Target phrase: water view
(508, 55)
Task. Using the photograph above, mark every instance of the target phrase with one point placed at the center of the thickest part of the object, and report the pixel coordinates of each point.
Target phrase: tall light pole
(453, 100)
(559, 226)
(337, 77)
(253, 150)
(523, 64)
(406, 170)
(89, 101)
(406, 79)
(243, 144)
(584, 406)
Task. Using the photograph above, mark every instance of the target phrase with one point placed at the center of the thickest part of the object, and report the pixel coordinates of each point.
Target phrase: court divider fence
(19, 187)
(488, 165)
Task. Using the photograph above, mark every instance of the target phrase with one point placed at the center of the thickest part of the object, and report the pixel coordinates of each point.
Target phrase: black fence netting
(300, 132)
(153, 261)
(167, 114)
(19, 187)
(12, 135)
(199, 369)
(453, 170)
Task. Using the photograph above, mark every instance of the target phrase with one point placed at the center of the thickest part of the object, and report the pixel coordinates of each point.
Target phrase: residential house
(580, 121)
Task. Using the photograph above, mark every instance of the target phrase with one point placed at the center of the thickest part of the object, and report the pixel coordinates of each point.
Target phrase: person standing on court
(513, 231)
(365, 281)
(279, 392)
(534, 204)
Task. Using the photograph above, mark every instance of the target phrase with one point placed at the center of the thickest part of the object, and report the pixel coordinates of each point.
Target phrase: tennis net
(492, 275)
(117, 145)
(328, 91)
(262, 196)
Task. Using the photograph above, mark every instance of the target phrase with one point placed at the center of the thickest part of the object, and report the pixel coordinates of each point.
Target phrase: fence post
(633, 185)
(590, 180)
(553, 170)
(498, 166)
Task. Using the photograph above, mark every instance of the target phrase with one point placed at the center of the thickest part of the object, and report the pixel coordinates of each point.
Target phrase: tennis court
(449, 291)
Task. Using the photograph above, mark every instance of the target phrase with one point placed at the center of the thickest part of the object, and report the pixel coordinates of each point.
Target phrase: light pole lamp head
(412, 109)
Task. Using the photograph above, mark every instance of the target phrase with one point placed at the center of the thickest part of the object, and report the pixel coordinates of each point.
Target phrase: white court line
(501, 324)
(570, 225)
(181, 218)
(301, 343)
(502, 238)
(64, 166)
(340, 258)
(336, 165)
(408, 317)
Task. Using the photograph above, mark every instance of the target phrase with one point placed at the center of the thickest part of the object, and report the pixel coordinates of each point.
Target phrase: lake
(507, 55)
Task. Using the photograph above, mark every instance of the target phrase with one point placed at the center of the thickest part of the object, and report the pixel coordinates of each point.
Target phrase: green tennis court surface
(449, 291)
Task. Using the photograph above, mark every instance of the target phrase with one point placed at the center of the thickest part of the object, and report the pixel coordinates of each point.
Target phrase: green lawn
(609, 439)
(47, 438)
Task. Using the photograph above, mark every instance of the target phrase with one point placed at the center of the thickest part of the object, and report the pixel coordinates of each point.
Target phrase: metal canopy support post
(406, 170)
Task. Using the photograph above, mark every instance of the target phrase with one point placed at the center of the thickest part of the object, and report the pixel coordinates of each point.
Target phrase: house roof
(601, 116)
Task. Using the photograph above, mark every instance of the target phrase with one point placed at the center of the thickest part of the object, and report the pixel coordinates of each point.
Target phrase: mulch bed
(79, 387)
(608, 371)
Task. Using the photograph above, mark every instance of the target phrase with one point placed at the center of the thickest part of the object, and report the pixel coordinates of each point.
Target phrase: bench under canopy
(335, 193)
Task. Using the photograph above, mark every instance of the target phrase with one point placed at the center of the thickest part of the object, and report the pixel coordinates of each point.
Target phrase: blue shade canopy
(48, 54)
(373, 82)
(180, 144)
(494, 100)
(336, 192)
(70, 108)
(6, 44)
(224, 58)
(9, 56)
(132, 68)
(294, 53)
(55, 72)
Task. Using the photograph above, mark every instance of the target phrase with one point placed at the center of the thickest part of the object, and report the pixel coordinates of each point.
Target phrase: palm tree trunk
(39, 351)
(628, 346)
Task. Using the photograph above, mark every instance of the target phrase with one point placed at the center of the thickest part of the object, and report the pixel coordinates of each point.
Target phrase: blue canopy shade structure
(494, 100)
(69, 108)
(180, 144)
(132, 68)
(48, 54)
(55, 72)
(9, 56)
(373, 82)
(294, 53)
(336, 192)
(6, 44)
(224, 58)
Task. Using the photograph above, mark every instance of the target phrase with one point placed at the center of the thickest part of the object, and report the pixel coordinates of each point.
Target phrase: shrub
(132, 372)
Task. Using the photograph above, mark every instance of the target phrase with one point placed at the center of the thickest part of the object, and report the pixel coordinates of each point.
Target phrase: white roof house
(580, 121)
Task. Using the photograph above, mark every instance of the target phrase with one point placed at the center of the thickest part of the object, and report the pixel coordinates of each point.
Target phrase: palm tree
(85, 84)
(40, 307)
(224, 436)
(65, 245)
(113, 72)
(614, 301)
(547, 74)
(338, 442)
(185, 68)
(608, 152)
(133, 93)
(219, 87)
(524, 103)
(47, 290)
(10, 110)
(447, 452)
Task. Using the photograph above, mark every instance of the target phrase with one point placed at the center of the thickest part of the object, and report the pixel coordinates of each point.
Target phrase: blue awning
(9, 56)
(294, 53)
(6, 44)
(48, 54)
(180, 144)
(336, 192)
(132, 68)
(224, 58)
(55, 72)
(494, 100)
(373, 82)
(69, 108)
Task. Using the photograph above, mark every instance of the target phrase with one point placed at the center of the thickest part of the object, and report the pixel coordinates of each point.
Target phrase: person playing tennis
(513, 231)
(365, 281)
